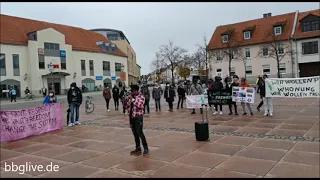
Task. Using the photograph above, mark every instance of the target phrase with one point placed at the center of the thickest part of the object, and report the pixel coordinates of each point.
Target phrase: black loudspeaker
(202, 128)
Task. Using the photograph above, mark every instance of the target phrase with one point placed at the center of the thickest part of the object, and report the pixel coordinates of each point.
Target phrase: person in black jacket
(260, 90)
(229, 87)
(116, 96)
(216, 88)
(124, 99)
(181, 94)
(146, 93)
(267, 101)
(74, 97)
(169, 96)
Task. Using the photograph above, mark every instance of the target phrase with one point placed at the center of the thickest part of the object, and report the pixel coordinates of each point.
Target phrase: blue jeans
(74, 108)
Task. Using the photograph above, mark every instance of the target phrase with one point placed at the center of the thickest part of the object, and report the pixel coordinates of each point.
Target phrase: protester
(216, 88)
(51, 98)
(156, 95)
(229, 87)
(107, 96)
(244, 83)
(123, 96)
(169, 96)
(135, 109)
(13, 94)
(146, 93)
(181, 94)
(195, 89)
(259, 91)
(116, 96)
(74, 97)
(44, 91)
(268, 107)
(210, 94)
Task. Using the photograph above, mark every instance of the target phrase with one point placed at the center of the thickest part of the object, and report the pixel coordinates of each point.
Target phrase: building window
(219, 57)
(233, 71)
(3, 65)
(51, 46)
(91, 68)
(277, 30)
(282, 68)
(63, 63)
(249, 70)
(247, 52)
(265, 51)
(225, 38)
(16, 65)
(310, 47)
(246, 35)
(118, 67)
(280, 49)
(106, 68)
(310, 26)
(41, 61)
(266, 69)
(83, 67)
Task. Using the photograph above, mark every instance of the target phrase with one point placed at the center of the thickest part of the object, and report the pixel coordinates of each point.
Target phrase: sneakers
(193, 112)
(77, 123)
(137, 150)
(271, 114)
(71, 124)
(215, 112)
(265, 114)
(145, 152)
(220, 112)
(244, 114)
(108, 110)
(230, 113)
(236, 114)
(251, 114)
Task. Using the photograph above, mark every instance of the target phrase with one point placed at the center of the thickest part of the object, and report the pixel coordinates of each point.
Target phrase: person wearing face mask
(74, 97)
(50, 98)
(169, 96)
(244, 83)
(229, 87)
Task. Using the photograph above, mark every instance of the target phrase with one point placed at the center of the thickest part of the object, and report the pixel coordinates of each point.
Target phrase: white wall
(308, 57)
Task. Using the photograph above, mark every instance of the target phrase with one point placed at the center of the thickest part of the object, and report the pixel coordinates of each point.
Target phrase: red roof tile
(261, 28)
(298, 31)
(13, 30)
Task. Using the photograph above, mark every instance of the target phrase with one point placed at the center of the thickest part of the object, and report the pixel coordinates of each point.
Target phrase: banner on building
(19, 124)
(195, 101)
(243, 94)
(293, 87)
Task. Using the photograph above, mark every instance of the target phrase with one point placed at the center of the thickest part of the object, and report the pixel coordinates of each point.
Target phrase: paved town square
(286, 145)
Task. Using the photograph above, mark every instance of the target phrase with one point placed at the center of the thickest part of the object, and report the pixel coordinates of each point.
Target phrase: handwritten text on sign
(196, 101)
(293, 87)
(18, 124)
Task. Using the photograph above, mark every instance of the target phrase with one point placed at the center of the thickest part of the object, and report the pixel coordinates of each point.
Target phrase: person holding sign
(244, 83)
(50, 98)
(267, 101)
(229, 87)
(195, 89)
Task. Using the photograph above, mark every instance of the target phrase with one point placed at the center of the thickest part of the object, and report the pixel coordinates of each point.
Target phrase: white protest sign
(195, 101)
(293, 87)
(243, 94)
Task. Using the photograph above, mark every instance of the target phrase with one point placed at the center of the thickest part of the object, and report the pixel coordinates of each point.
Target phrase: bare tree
(171, 55)
(275, 48)
(156, 65)
(230, 51)
(199, 59)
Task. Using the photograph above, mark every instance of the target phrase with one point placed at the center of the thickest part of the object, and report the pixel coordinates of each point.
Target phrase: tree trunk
(278, 67)
(172, 76)
(229, 67)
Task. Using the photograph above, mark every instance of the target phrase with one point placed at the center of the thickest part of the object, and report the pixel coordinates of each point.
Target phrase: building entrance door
(54, 84)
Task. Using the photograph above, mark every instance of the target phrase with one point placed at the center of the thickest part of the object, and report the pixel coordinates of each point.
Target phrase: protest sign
(222, 97)
(18, 124)
(195, 101)
(293, 87)
(243, 94)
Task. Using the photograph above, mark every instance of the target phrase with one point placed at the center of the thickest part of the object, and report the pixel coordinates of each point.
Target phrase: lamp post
(51, 69)
(245, 68)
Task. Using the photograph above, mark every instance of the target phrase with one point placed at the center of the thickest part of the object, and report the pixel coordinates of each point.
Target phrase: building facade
(123, 43)
(254, 47)
(38, 54)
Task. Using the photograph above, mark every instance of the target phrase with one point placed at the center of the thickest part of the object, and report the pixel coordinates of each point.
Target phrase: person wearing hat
(74, 97)
(135, 108)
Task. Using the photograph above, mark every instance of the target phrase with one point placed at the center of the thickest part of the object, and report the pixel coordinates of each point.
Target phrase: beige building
(117, 37)
(138, 72)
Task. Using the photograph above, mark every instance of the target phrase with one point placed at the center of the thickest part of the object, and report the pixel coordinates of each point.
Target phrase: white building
(29, 47)
(253, 41)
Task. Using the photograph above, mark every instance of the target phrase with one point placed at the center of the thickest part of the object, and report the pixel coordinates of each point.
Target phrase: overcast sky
(149, 25)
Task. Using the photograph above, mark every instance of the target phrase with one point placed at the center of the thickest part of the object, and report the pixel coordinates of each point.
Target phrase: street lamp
(51, 69)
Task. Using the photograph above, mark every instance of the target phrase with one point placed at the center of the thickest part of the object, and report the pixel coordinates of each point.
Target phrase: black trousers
(146, 105)
(180, 101)
(260, 104)
(216, 107)
(194, 110)
(158, 106)
(13, 97)
(107, 102)
(136, 124)
(170, 104)
(234, 105)
(116, 102)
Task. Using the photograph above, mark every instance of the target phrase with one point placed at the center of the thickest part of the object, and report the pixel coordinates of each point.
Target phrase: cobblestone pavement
(286, 145)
